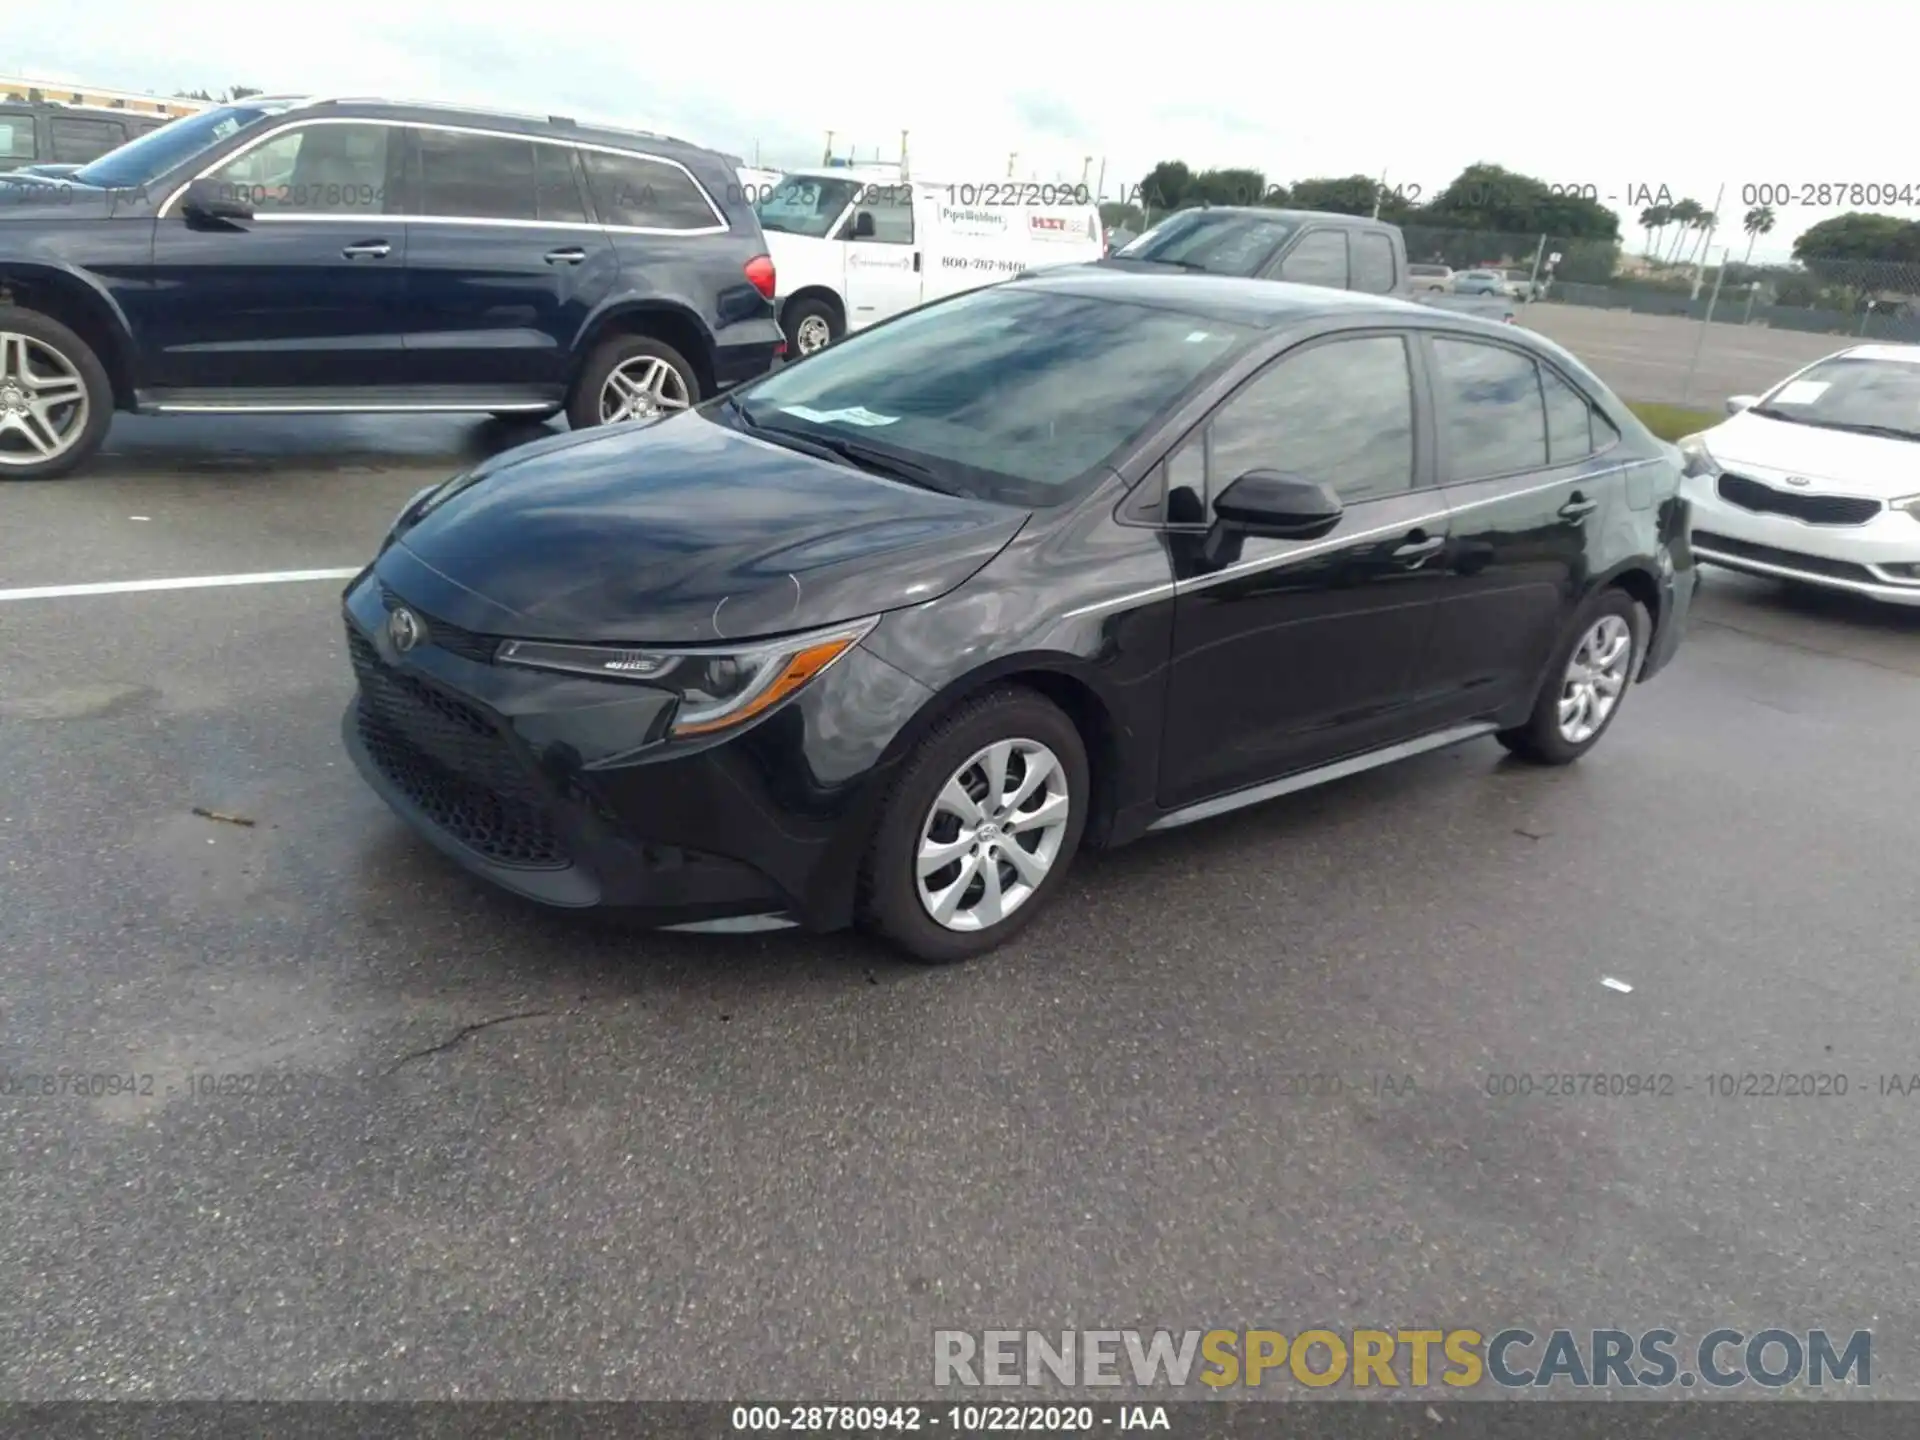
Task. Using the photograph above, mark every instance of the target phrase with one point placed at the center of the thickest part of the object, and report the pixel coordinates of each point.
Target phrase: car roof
(1276, 213)
(1905, 354)
(543, 127)
(1262, 304)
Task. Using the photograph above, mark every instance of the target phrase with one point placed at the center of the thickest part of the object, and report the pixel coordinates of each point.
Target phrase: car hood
(1834, 460)
(39, 197)
(683, 532)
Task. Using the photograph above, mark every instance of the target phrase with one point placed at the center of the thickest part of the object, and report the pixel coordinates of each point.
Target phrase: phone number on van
(961, 262)
(1015, 192)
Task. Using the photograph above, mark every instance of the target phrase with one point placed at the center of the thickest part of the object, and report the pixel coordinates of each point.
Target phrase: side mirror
(212, 200)
(863, 225)
(1737, 403)
(1267, 502)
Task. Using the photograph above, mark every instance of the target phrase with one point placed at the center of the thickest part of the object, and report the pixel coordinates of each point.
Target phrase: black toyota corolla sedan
(887, 636)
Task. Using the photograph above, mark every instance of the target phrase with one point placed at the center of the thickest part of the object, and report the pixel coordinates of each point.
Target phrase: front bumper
(561, 789)
(1867, 559)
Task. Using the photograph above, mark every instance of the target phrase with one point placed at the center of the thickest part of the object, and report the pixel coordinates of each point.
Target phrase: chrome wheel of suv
(642, 388)
(43, 401)
(992, 834)
(1595, 678)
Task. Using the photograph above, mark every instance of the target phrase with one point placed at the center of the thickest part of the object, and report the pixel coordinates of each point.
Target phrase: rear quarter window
(640, 193)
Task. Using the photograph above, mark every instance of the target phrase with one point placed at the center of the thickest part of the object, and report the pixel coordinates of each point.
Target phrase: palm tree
(1654, 220)
(1759, 222)
(1705, 225)
(1683, 214)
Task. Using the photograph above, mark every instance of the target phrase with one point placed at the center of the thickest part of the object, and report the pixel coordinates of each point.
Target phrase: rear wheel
(1591, 673)
(632, 377)
(55, 398)
(984, 819)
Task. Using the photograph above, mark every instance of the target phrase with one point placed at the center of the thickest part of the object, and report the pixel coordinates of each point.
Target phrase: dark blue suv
(282, 256)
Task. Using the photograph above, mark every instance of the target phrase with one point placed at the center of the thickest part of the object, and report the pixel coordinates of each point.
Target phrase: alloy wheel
(992, 835)
(813, 333)
(43, 401)
(1596, 676)
(642, 388)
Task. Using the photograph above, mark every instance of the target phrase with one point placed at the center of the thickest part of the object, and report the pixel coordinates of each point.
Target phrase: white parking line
(185, 582)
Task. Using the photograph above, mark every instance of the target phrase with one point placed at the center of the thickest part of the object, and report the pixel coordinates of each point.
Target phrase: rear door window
(77, 141)
(1373, 265)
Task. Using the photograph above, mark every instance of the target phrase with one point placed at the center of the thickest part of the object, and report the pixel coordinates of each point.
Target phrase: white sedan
(1818, 480)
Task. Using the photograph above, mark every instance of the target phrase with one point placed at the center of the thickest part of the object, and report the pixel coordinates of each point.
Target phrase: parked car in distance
(41, 134)
(281, 255)
(858, 245)
(1305, 247)
(887, 636)
(1437, 278)
(1817, 482)
(1481, 282)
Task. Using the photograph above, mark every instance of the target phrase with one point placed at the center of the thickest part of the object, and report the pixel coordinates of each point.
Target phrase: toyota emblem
(1799, 480)
(404, 629)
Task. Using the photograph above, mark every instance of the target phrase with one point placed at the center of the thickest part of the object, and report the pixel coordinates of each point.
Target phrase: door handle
(370, 249)
(1416, 552)
(916, 262)
(570, 255)
(1578, 507)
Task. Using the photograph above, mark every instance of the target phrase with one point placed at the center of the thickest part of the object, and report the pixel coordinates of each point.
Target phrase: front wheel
(55, 398)
(1591, 671)
(982, 822)
(632, 377)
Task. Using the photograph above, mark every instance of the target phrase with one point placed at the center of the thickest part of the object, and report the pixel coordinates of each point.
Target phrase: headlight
(1908, 503)
(1700, 461)
(718, 686)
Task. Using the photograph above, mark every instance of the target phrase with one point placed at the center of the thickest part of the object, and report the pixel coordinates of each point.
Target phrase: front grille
(468, 644)
(453, 763)
(1750, 494)
(1788, 559)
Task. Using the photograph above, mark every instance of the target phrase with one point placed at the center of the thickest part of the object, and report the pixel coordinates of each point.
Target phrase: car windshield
(146, 159)
(1220, 242)
(806, 205)
(1852, 393)
(1015, 395)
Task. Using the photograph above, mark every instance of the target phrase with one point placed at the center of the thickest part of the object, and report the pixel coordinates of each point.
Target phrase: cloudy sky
(1610, 96)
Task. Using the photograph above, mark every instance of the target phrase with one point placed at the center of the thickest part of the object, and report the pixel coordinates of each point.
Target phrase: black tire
(889, 894)
(45, 330)
(801, 311)
(1540, 740)
(583, 406)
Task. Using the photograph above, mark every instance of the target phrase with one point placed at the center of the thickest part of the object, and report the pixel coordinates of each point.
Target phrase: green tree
(1342, 195)
(1228, 187)
(1490, 198)
(1166, 186)
(1758, 222)
(1120, 215)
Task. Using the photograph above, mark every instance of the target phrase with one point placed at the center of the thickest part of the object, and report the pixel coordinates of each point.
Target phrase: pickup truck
(1303, 247)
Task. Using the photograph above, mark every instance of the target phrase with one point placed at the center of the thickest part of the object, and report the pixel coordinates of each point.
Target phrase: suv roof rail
(446, 105)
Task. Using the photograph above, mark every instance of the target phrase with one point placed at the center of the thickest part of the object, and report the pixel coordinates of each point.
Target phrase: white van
(853, 247)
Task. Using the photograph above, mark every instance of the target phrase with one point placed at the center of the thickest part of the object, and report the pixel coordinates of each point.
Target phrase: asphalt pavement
(508, 1153)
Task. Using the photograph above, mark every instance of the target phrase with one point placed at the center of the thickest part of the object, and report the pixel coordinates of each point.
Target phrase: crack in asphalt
(469, 1030)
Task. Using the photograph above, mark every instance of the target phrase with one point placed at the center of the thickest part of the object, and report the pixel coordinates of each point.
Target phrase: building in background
(65, 92)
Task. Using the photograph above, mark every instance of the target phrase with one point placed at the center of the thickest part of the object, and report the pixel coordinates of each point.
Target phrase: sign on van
(1059, 227)
(967, 221)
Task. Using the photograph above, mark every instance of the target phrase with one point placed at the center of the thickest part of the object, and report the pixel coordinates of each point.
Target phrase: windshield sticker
(853, 415)
(1197, 337)
(1801, 392)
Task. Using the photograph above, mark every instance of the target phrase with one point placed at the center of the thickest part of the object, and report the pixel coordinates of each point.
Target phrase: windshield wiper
(882, 463)
(1852, 427)
(845, 452)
